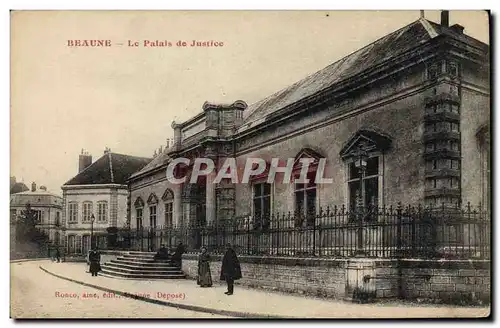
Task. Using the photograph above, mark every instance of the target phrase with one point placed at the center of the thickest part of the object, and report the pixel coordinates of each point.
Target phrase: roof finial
(422, 14)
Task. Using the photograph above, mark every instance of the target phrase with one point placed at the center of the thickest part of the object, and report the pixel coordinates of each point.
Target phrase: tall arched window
(168, 199)
(152, 203)
(139, 207)
(483, 139)
(305, 193)
(362, 155)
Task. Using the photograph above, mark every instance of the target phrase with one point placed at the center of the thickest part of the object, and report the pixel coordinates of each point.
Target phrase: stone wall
(440, 281)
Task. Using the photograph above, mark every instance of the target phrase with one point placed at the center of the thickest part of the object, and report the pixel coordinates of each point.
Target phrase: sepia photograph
(304, 164)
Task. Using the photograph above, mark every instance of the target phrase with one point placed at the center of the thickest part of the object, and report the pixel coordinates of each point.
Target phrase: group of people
(176, 257)
(230, 269)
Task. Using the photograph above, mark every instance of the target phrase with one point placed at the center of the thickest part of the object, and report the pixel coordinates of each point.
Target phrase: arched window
(362, 155)
(139, 206)
(152, 202)
(305, 188)
(168, 199)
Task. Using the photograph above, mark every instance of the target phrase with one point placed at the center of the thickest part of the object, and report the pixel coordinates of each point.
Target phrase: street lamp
(92, 219)
(361, 161)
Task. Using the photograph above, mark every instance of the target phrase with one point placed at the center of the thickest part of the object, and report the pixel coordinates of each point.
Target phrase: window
(168, 198)
(58, 219)
(38, 216)
(169, 214)
(138, 215)
(87, 211)
(102, 211)
(305, 201)
(152, 216)
(370, 183)
(261, 205)
(73, 212)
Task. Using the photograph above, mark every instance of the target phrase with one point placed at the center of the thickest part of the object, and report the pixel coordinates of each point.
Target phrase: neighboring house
(16, 187)
(47, 207)
(98, 191)
(418, 99)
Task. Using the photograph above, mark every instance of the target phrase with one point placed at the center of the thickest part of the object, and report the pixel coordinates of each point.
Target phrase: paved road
(36, 294)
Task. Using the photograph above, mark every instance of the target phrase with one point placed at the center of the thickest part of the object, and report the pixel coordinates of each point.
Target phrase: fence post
(399, 229)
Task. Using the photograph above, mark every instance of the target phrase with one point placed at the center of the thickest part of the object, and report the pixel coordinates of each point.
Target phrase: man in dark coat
(177, 256)
(231, 269)
(95, 262)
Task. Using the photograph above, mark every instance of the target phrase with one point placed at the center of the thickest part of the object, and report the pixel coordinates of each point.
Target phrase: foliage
(26, 229)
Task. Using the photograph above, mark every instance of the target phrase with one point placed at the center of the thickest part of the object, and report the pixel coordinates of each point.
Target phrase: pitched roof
(382, 50)
(18, 187)
(159, 160)
(111, 168)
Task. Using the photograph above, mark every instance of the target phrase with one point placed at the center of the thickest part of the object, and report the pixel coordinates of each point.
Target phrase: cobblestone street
(36, 294)
(35, 297)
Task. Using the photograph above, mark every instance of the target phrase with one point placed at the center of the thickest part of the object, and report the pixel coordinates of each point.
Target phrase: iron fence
(384, 232)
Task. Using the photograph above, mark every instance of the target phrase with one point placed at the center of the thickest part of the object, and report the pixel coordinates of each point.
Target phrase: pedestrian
(58, 255)
(95, 262)
(204, 274)
(162, 253)
(177, 256)
(231, 269)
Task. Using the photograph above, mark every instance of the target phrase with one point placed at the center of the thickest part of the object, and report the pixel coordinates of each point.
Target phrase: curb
(195, 308)
(29, 260)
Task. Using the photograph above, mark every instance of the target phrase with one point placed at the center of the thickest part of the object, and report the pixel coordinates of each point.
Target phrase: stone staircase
(140, 265)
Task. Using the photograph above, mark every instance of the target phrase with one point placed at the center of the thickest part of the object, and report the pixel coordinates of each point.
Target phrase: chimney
(457, 28)
(445, 18)
(84, 161)
(161, 150)
(33, 187)
(107, 150)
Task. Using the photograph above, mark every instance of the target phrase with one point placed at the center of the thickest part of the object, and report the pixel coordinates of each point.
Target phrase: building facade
(416, 102)
(96, 199)
(47, 207)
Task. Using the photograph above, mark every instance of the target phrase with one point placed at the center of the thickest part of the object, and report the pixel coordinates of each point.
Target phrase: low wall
(444, 281)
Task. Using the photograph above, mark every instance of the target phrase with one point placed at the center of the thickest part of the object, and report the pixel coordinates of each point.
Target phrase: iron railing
(384, 232)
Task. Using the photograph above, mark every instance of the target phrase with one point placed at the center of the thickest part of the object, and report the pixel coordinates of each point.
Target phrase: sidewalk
(253, 303)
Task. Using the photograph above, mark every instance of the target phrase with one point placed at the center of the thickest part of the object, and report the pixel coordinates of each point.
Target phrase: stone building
(96, 199)
(47, 206)
(417, 101)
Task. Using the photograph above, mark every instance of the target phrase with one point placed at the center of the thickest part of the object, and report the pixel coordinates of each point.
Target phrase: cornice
(93, 186)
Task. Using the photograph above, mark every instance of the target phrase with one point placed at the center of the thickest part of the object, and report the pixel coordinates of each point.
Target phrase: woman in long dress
(204, 274)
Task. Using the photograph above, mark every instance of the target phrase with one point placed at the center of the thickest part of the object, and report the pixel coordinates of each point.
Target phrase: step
(143, 275)
(143, 263)
(140, 253)
(160, 267)
(141, 270)
(138, 256)
(111, 276)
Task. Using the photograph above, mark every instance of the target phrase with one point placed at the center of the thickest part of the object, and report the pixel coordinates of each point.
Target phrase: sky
(65, 99)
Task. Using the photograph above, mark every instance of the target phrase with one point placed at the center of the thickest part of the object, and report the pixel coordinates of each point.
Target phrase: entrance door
(86, 244)
(71, 244)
